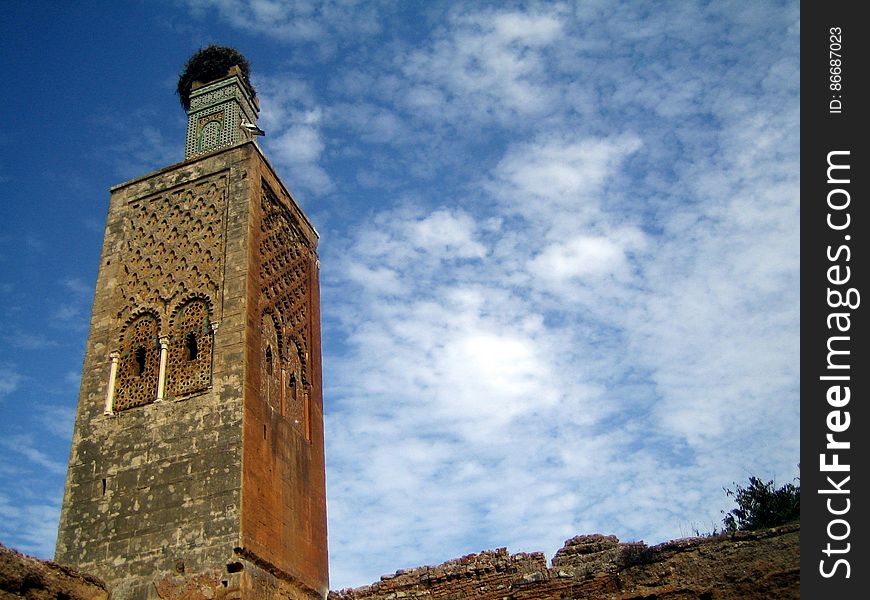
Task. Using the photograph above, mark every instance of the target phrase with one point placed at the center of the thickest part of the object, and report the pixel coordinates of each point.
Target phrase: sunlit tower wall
(197, 462)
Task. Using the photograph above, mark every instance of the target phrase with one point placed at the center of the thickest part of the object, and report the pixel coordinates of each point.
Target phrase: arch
(299, 352)
(191, 342)
(271, 360)
(139, 362)
(210, 133)
(297, 391)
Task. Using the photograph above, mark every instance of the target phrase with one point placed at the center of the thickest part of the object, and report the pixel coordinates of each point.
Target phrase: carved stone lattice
(174, 246)
(136, 383)
(285, 285)
(222, 93)
(190, 348)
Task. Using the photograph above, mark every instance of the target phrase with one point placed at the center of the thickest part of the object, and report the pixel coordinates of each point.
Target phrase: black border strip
(835, 299)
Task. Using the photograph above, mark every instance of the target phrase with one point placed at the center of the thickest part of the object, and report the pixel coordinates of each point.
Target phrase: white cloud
(58, 420)
(372, 123)
(299, 21)
(430, 240)
(30, 341)
(587, 256)
(588, 419)
(379, 280)
(9, 381)
(24, 445)
(78, 287)
(450, 233)
(70, 316)
(488, 65)
(134, 145)
(294, 140)
(298, 149)
(30, 527)
(559, 180)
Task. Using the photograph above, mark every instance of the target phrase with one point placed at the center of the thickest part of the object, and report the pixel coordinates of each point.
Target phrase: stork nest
(210, 63)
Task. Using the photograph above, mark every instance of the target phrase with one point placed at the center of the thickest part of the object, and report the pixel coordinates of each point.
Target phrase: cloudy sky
(559, 248)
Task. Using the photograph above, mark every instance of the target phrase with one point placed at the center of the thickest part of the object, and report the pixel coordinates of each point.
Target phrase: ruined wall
(27, 577)
(154, 487)
(741, 566)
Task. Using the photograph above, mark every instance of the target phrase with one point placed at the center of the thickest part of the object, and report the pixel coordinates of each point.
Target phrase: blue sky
(559, 251)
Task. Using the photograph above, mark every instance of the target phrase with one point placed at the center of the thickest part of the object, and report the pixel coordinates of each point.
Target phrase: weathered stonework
(746, 565)
(187, 473)
(23, 576)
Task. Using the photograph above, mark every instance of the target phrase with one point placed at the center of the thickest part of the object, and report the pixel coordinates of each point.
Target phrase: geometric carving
(174, 246)
(173, 250)
(190, 349)
(285, 285)
(136, 383)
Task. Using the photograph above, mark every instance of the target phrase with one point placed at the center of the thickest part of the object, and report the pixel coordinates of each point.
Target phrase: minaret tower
(197, 465)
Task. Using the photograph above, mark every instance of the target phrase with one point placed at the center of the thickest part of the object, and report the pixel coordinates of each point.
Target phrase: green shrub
(761, 504)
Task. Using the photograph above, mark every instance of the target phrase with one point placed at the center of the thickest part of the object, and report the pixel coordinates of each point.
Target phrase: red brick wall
(284, 482)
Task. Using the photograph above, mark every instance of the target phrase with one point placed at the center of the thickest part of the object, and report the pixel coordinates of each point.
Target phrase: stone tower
(197, 464)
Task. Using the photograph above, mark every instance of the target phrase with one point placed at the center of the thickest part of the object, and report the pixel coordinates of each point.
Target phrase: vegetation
(636, 554)
(208, 64)
(761, 504)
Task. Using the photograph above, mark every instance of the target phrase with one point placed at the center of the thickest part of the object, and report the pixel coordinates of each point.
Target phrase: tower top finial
(221, 103)
(209, 64)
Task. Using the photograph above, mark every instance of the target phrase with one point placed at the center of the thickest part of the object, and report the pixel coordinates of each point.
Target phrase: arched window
(270, 373)
(139, 361)
(297, 405)
(188, 367)
(210, 134)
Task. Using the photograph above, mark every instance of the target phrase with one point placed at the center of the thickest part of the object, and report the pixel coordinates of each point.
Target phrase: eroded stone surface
(23, 576)
(740, 566)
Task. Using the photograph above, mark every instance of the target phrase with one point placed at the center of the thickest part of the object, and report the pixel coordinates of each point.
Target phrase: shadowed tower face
(197, 466)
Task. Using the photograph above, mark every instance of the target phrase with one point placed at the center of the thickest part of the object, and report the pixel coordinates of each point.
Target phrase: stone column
(161, 374)
(283, 389)
(110, 392)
